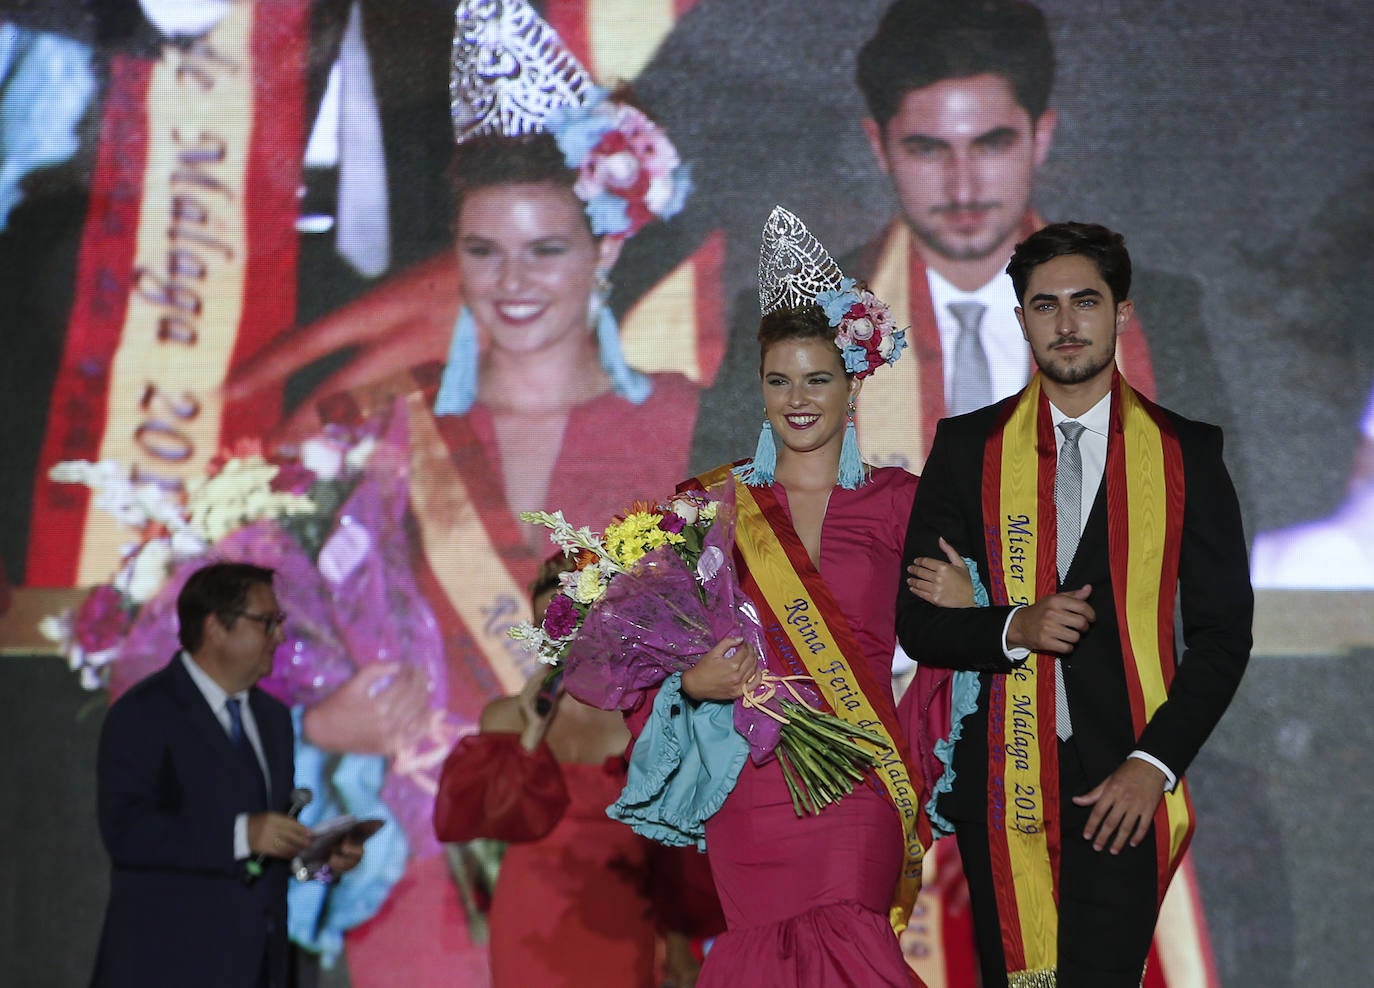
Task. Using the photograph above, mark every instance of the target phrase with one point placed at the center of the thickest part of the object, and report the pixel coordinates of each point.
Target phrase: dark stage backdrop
(1232, 144)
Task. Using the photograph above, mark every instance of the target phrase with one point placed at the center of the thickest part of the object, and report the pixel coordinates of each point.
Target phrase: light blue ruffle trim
(318, 915)
(684, 764)
(963, 701)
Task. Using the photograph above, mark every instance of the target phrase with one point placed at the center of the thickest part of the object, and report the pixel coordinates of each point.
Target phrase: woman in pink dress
(812, 900)
(528, 409)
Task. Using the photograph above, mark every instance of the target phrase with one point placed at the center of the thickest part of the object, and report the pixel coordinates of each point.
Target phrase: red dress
(580, 898)
(806, 899)
(419, 935)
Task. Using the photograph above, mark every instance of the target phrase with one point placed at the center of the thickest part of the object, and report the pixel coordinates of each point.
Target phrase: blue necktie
(239, 738)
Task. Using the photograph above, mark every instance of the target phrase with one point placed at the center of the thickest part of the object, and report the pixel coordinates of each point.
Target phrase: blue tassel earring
(852, 473)
(626, 382)
(758, 472)
(458, 385)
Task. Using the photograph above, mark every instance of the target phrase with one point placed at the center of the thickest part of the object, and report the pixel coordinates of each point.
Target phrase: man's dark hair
(918, 44)
(220, 589)
(1105, 248)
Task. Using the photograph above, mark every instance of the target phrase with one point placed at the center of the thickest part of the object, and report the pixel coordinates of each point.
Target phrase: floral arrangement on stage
(652, 595)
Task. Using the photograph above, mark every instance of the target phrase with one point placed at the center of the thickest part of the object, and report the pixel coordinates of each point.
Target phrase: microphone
(548, 692)
(300, 799)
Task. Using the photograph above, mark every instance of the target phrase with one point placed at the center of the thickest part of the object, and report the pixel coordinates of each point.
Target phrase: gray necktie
(972, 378)
(1068, 512)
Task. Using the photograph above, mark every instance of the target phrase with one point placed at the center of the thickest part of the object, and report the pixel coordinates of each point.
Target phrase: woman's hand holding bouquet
(730, 670)
(657, 594)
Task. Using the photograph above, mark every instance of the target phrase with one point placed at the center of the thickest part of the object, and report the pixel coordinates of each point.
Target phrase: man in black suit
(195, 777)
(1085, 508)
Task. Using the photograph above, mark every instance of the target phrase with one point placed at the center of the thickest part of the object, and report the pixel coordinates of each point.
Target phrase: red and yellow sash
(474, 556)
(187, 265)
(807, 631)
(1144, 477)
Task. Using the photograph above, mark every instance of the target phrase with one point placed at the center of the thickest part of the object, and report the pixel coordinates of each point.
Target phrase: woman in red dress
(581, 901)
(551, 176)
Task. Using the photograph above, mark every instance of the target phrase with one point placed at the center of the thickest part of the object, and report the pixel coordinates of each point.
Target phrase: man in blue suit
(194, 778)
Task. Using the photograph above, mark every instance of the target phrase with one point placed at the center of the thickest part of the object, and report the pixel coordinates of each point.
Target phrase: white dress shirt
(1009, 359)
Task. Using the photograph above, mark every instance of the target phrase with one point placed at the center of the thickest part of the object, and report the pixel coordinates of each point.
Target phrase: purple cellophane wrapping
(311, 664)
(659, 618)
(382, 616)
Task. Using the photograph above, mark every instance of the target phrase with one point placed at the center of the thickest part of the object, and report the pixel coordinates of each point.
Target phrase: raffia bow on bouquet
(655, 593)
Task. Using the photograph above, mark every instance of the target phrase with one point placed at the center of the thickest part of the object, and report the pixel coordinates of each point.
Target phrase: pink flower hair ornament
(867, 336)
(628, 172)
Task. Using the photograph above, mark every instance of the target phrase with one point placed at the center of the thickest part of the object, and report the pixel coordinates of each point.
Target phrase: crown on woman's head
(796, 270)
(510, 71)
(794, 267)
(513, 76)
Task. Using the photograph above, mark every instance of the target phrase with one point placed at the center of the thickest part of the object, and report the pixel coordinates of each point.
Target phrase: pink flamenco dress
(580, 899)
(805, 898)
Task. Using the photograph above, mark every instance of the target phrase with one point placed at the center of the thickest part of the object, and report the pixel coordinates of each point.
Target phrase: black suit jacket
(1215, 603)
(169, 787)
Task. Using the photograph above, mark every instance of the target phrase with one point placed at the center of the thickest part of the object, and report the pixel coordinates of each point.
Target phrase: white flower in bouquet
(240, 493)
(187, 543)
(359, 453)
(589, 586)
(686, 509)
(323, 457)
(146, 571)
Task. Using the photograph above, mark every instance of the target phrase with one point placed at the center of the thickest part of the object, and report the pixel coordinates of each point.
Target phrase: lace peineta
(510, 71)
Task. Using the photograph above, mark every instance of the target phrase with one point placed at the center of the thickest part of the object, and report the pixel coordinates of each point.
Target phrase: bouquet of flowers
(330, 519)
(245, 505)
(652, 595)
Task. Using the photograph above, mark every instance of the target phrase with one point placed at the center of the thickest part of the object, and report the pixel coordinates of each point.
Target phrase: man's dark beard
(1077, 373)
(952, 252)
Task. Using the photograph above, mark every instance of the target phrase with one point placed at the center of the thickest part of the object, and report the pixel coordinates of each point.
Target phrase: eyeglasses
(270, 622)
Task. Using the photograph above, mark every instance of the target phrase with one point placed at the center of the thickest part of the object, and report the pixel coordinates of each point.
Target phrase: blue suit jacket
(169, 787)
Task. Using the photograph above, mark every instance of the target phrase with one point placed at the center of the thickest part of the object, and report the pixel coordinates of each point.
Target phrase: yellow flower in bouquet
(639, 532)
